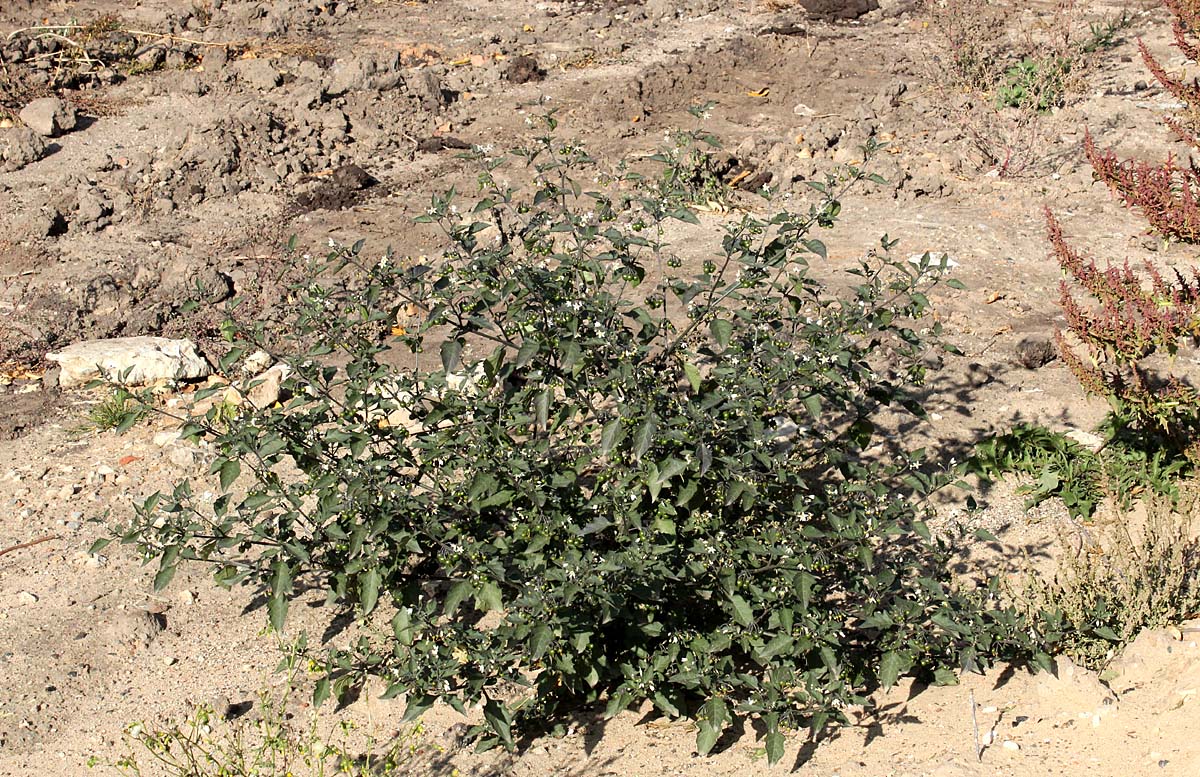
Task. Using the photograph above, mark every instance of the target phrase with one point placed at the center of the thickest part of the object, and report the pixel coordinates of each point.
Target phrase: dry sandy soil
(198, 169)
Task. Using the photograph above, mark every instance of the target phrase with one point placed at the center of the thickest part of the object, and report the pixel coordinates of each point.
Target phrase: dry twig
(30, 544)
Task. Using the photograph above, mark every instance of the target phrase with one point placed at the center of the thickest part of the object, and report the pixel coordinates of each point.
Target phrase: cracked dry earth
(337, 119)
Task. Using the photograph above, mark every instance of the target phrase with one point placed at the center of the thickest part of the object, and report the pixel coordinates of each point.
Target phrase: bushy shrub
(268, 739)
(1121, 344)
(1165, 192)
(1000, 70)
(1034, 84)
(617, 480)
(1058, 466)
(1133, 321)
(1116, 581)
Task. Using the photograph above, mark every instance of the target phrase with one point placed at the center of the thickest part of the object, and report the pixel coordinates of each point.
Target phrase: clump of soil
(523, 69)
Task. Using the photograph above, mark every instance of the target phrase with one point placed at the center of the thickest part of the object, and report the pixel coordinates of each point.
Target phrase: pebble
(170, 660)
(1010, 745)
(25, 597)
(182, 456)
(163, 439)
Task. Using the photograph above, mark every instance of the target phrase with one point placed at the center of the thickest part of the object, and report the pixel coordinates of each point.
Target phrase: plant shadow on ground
(339, 622)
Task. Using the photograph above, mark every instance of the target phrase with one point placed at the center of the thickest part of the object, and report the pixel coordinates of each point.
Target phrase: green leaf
(499, 719)
(502, 497)
(281, 586)
(488, 598)
(713, 717)
(721, 330)
(693, 375)
(459, 591)
(99, 545)
(610, 436)
(230, 470)
(402, 627)
(944, 676)
(889, 669)
(127, 422)
(541, 404)
(706, 738)
(539, 641)
(368, 590)
(685, 214)
(741, 611)
(417, 705)
(947, 623)
(166, 567)
(779, 644)
(620, 701)
(775, 745)
(321, 691)
(817, 247)
(451, 351)
(644, 437)
(529, 349)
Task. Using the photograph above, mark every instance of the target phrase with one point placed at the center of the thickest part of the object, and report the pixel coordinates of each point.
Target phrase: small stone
(1010, 745)
(830, 10)
(129, 360)
(260, 391)
(267, 388)
(1088, 440)
(259, 74)
(20, 146)
(170, 660)
(49, 116)
(136, 628)
(25, 597)
(1035, 351)
(163, 439)
(184, 457)
(524, 69)
(256, 363)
